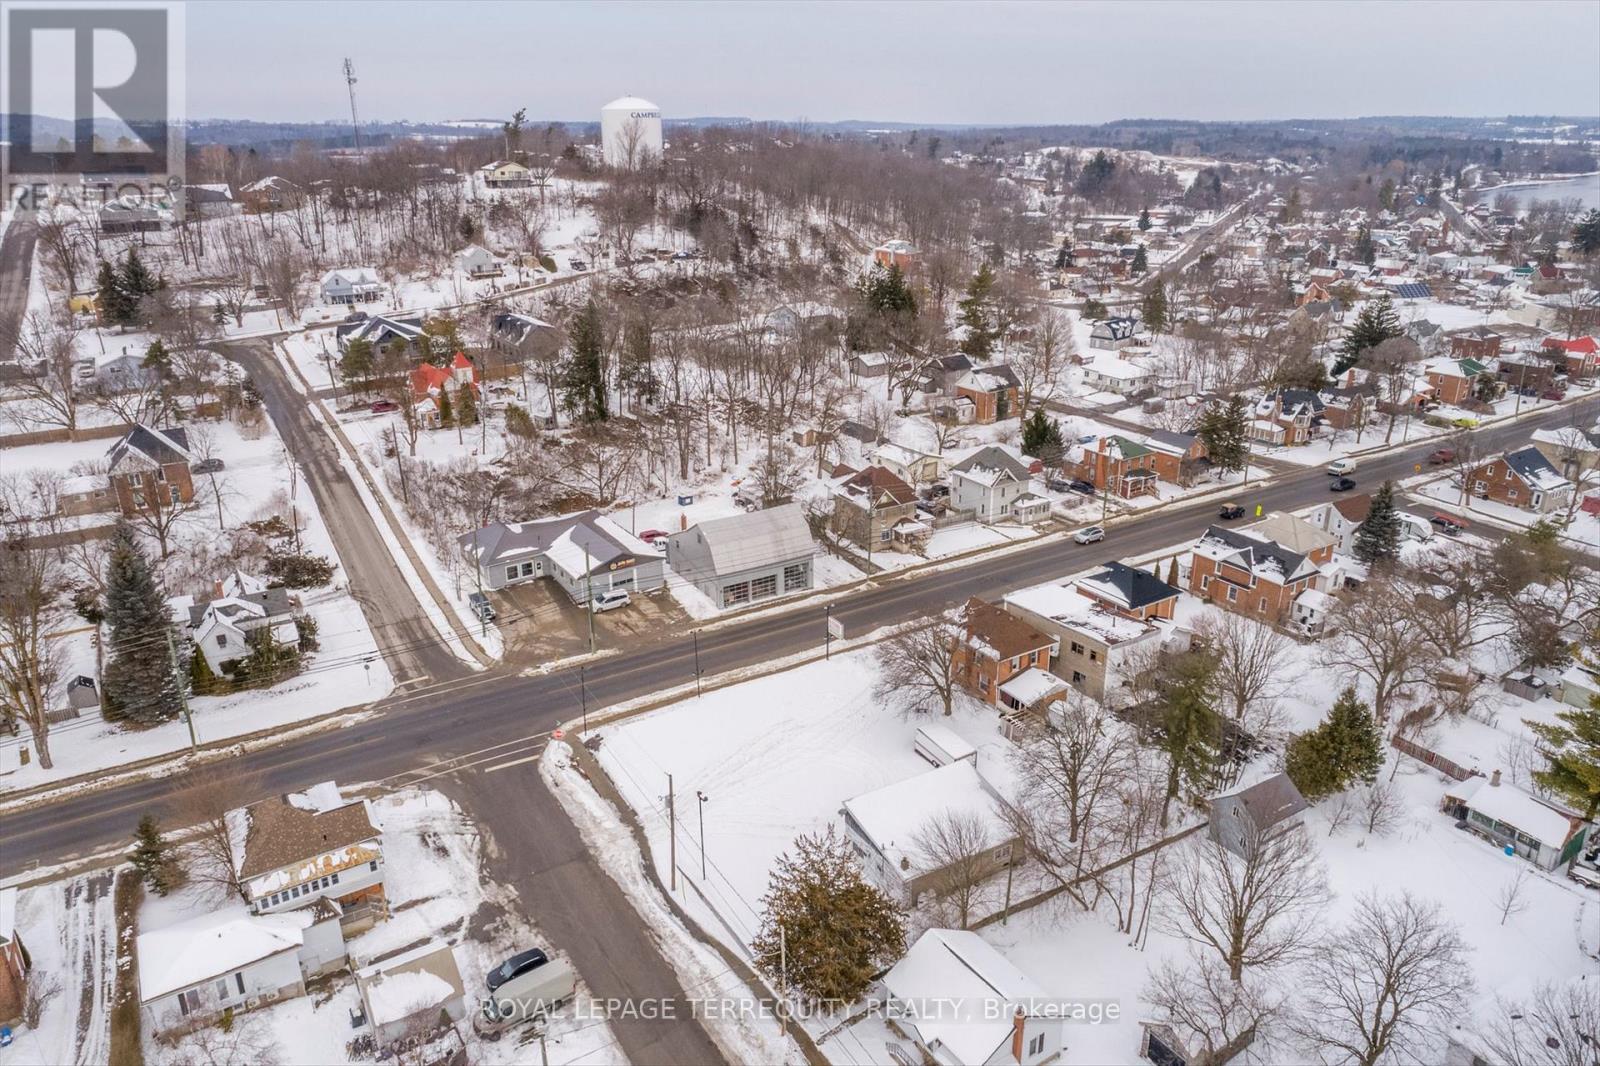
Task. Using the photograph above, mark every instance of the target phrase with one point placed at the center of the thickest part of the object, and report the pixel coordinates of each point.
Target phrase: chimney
(1350, 378)
(1018, 1023)
(1494, 779)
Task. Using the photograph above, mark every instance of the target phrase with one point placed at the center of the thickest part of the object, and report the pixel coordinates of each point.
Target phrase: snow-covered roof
(8, 914)
(1032, 685)
(1534, 469)
(990, 464)
(1509, 804)
(892, 817)
(1124, 369)
(211, 945)
(351, 276)
(1066, 606)
(397, 996)
(980, 987)
(760, 538)
(1293, 533)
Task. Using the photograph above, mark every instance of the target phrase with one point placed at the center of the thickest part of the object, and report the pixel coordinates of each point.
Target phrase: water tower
(630, 132)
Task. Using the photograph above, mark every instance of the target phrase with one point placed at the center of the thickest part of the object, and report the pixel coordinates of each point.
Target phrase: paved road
(16, 264)
(408, 641)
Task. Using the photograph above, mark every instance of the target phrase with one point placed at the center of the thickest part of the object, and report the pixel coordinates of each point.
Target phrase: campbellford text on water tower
(630, 132)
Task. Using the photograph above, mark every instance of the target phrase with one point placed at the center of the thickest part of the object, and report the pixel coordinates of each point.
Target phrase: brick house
(14, 961)
(1528, 371)
(991, 393)
(1581, 353)
(150, 468)
(1252, 574)
(1453, 380)
(1096, 642)
(874, 508)
(1524, 479)
(1177, 457)
(1479, 342)
(994, 647)
(1115, 464)
(1345, 406)
(270, 193)
(1287, 416)
(896, 253)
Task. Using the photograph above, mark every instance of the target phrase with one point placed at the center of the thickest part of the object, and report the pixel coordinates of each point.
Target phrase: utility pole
(701, 796)
(1005, 914)
(672, 833)
(183, 694)
(327, 361)
(588, 588)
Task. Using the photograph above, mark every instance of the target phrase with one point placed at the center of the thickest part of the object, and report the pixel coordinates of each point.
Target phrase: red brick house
(149, 468)
(1116, 464)
(1582, 355)
(988, 394)
(897, 253)
(13, 961)
(994, 647)
(1177, 456)
(1247, 571)
(1528, 370)
(1523, 479)
(1479, 342)
(1453, 380)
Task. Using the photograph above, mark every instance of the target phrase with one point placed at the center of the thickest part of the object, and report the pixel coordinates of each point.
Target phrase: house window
(1078, 678)
(794, 577)
(1036, 1045)
(526, 569)
(238, 979)
(188, 1000)
(373, 865)
(175, 496)
(1016, 662)
(1094, 656)
(762, 587)
(983, 682)
(1233, 594)
(1511, 494)
(1205, 582)
(334, 878)
(1077, 649)
(511, 572)
(222, 640)
(1263, 604)
(222, 989)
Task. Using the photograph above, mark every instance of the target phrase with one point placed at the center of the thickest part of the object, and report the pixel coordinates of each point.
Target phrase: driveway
(16, 265)
(540, 623)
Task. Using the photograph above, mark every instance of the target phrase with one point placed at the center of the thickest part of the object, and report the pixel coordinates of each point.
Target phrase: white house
(476, 261)
(1114, 333)
(221, 627)
(988, 482)
(506, 174)
(884, 827)
(908, 464)
(352, 285)
(1116, 374)
(191, 971)
(307, 846)
(965, 1004)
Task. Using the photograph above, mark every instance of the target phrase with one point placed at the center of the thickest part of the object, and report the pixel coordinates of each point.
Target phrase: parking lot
(539, 623)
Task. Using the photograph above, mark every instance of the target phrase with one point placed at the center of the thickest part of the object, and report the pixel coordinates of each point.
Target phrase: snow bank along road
(454, 718)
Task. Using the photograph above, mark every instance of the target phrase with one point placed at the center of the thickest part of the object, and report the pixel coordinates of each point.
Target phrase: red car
(1441, 456)
(651, 536)
(383, 407)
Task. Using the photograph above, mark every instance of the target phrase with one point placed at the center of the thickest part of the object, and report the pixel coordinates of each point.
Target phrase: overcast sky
(1024, 63)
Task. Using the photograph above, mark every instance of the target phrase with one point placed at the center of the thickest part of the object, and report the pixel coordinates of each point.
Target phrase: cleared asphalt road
(16, 262)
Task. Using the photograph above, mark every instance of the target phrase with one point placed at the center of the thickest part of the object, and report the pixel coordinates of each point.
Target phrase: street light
(701, 796)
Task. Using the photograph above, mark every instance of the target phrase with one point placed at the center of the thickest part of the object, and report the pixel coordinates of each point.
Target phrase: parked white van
(1342, 467)
(533, 994)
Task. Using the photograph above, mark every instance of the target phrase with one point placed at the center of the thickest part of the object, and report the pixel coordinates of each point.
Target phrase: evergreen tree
(1376, 323)
(1153, 309)
(886, 292)
(140, 684)
(158, 357)
(1064, 254)
(1144, 219)
(583, 384)
(979, 342)
(447, 414)
(1386, 194)
(1586, 233)
(203, 681)
(152, 858)
(1093, 309)
(1378, 537)
(1346, 747)
(832, 928)
(466, 406)
(1041, 436)
(270, 660)
(1172, 572)
(1141, 261)
(1224, 430)
(356, 363)
(116, 305)
(1571, 747)
(636, 374)
(1366, 251)
(1190, 727)
(137, 281)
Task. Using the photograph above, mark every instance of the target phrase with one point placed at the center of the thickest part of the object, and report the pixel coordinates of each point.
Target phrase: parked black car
(1230, 511)
(1085, 487)
(516, 966)
(206, 466)
(1343, 484)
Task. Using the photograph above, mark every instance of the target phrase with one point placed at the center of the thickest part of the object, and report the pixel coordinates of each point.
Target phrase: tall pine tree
(1376, 323)
(116, 305)
(975, 315)
(1378, 536)
(583, 385)
(1190, 727)
(141, 684)
(1346, 747)
(152, 859)
(1144, 219)
(1141, 261)
(1154, 308)
(1224, 430)
(1571, 746)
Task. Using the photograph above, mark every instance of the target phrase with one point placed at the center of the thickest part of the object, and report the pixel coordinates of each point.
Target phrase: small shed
(1528, 686)
(1238, 819)
(413, 994)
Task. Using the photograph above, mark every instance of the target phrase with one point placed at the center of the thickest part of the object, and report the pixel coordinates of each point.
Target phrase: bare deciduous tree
(1377, 986)
(1261, 909)
(1510, 898)
(957, 848)
(1558, 1026)
(51, 397)
(31, 608)
(916, 667)
(1373, 634)
(1212, 1015)
(203, 807)
(1252, 660)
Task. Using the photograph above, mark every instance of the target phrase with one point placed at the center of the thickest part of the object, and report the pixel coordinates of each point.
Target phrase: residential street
(409, 642)
(16, 264)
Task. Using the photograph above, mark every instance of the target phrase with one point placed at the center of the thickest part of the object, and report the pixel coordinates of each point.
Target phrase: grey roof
(1265, 550)
(748, 541)
(861, 432)
(993, 457)
(1175, 441)
(1120, 328)
(1531, 465)
(160, 446)
(1140, 588)
(502, 539)
(375, 327)
(275, 600)
(1271, 801)
(518, 328)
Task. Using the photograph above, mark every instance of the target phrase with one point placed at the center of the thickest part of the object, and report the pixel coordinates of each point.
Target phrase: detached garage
(746, 558)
